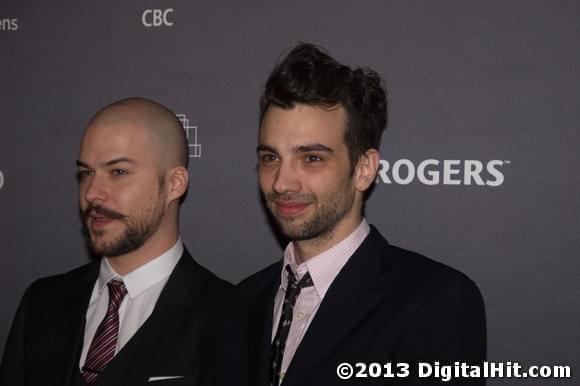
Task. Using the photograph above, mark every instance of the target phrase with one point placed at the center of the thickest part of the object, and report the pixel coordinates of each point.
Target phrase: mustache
(301, 197)
(103, 211)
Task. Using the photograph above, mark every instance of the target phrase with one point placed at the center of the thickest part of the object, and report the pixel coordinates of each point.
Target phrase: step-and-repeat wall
(491, 86)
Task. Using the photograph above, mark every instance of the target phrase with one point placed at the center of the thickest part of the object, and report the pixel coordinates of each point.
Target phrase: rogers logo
(445, 172)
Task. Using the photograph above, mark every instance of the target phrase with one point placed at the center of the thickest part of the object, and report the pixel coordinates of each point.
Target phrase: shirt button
(300, 315)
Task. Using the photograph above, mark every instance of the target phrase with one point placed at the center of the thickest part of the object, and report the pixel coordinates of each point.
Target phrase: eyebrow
(108, 163)
(313, 147)
(298, 149)
(261, 147)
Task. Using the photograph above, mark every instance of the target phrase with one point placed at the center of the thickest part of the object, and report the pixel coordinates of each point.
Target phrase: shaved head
(160, 124)
(132, 172)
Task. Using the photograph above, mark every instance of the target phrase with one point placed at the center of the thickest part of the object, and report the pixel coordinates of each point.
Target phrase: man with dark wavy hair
(341, 293)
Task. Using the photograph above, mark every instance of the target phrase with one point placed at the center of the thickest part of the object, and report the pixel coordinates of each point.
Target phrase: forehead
(303, 124)
(105, 140)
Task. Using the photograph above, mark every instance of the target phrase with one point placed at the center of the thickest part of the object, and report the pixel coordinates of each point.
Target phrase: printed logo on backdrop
(442, 172)
(152, 18)
(1, 180)
(8, 24)
(191, 134)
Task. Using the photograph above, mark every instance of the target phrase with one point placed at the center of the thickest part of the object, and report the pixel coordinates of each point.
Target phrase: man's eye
(312, 158)
(81, 174)
(118, 172)
(268, 158)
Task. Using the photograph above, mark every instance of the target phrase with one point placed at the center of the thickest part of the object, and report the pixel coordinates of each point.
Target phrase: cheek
(265, 178)
(330, 184)
(129, 199)
(82, 196)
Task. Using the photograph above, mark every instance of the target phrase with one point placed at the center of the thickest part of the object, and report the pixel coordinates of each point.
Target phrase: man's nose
(95, 189)
(286, 179)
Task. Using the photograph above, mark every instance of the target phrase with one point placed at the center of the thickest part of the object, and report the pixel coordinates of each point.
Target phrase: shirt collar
(325, 267)
(145, 276)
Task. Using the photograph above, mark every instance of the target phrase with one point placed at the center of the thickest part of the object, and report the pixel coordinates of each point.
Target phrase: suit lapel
(260, 333)
(69, 325)
(354, 293)
(183, 288)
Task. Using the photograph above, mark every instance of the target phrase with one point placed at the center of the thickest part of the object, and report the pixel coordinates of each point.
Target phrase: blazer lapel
(184, 287)
(260, 330)
(68, 326)
(354, 293)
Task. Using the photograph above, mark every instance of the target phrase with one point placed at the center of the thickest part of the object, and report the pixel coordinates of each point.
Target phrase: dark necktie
(102, 348)
(293, 289)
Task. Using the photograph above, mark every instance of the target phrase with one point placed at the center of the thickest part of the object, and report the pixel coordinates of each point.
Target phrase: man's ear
(366, 169)
(177, 180)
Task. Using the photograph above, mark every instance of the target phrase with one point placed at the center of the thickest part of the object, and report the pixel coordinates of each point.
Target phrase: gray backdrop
(490, 84)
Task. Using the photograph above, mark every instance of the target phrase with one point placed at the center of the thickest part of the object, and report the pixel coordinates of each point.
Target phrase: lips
(290, 208)
(98, 220)
(97, 216)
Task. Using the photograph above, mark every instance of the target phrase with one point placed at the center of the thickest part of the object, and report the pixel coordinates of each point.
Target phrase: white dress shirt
(323, 270)
(144, 285)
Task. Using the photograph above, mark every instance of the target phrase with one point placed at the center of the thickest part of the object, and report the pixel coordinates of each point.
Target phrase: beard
(137, 230)
(328, 213)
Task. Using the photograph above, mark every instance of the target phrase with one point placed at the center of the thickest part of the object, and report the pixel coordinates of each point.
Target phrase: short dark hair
(308, 75)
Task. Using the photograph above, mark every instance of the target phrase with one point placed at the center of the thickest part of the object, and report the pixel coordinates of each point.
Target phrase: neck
(304, 250)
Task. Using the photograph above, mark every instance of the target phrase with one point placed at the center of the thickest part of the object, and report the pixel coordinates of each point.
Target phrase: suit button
(300, 315)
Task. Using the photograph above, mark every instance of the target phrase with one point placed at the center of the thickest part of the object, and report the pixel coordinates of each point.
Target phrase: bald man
(141, 313)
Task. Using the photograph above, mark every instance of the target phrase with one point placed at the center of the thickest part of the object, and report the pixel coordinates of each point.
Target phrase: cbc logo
(1, 180)
(157, 17)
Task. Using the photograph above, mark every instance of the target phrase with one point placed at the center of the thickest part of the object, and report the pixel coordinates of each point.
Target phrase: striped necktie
(102, 348)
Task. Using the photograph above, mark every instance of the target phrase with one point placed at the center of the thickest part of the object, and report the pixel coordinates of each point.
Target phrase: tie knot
(293, 283)
(117, 292)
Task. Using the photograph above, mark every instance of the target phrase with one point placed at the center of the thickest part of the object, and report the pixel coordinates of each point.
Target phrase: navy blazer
(386, 305)
(43, 348)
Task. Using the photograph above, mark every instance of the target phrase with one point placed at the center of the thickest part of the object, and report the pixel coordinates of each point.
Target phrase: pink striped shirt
(323, 269)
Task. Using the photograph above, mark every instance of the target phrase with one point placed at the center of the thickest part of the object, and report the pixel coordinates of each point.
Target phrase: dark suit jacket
(385, 305)
(43, 347)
